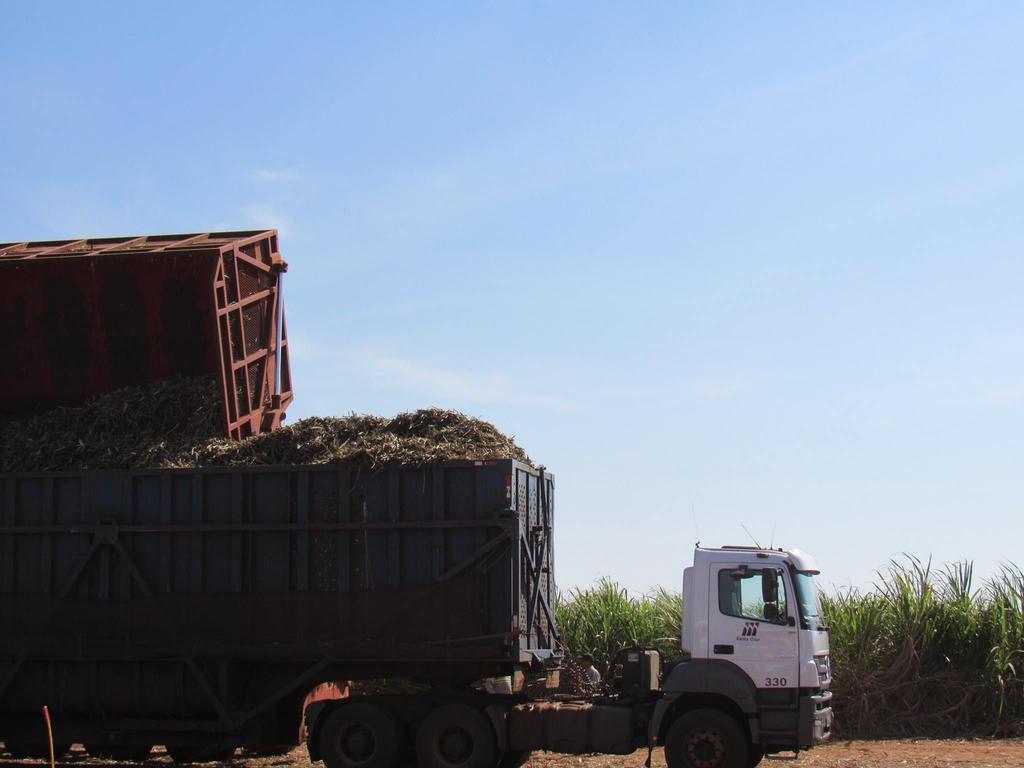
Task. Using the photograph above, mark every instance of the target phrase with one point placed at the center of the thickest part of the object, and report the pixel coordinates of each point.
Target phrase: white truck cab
(755, 647)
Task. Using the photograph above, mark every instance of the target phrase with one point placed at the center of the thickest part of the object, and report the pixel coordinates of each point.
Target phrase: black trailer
(198, 608)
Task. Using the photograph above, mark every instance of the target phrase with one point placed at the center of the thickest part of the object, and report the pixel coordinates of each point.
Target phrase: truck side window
(747, 594)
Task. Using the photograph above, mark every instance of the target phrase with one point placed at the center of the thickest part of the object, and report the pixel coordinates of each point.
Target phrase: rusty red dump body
(83, 317)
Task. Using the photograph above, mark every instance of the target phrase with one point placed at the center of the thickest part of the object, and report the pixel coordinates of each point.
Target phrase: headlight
(824, 668)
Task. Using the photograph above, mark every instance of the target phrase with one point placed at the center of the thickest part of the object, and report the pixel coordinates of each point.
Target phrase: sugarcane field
(584, 385)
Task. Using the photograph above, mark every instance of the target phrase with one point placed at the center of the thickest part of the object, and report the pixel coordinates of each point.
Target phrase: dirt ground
(840, 754)
(844, 754)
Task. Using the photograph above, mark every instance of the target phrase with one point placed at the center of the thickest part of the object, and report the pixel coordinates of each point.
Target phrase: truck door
(751, 622)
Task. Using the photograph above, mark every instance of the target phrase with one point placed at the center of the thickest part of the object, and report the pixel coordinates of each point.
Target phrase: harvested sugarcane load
(132, 428)
(176, 424)
(425, 436)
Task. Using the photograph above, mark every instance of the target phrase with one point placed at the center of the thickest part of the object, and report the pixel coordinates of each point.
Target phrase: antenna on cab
(751, 536)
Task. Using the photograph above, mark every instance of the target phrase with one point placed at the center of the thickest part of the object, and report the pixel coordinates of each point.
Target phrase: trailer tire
(34, 751)
(360, 736)
(706, 738)
(118, 753)
(455, 736)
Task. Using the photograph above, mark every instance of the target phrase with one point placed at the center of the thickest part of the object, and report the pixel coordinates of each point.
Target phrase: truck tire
(360, 736)
(756, 755)
(455, 736)
(33, 751)
(706, 738)
(131, 753)
(187, 755)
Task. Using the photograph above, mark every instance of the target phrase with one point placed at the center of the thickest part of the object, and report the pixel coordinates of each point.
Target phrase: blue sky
(714, 265)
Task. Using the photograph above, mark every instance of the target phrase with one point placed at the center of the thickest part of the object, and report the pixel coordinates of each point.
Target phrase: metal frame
(93, 246)
(249, 324)
(536, 553)
(256, 385)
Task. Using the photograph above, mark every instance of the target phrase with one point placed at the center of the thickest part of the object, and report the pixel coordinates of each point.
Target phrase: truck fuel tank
(572, 728)
(641, 670)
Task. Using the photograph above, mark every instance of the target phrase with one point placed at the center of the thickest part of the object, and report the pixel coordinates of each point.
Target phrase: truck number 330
(775, 682)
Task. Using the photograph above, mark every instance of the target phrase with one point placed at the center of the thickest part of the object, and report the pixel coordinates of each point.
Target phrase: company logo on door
(749, 632)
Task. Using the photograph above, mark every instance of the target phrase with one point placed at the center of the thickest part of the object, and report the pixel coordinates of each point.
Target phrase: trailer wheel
(455, 736)
(119, 753)
(34, 751)
(706, 738)
(360, 736)
(186, 755)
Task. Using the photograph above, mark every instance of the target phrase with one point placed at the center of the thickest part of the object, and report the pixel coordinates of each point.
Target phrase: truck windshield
(810, 605)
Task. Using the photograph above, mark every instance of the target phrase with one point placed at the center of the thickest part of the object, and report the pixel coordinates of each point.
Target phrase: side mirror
(770, 586)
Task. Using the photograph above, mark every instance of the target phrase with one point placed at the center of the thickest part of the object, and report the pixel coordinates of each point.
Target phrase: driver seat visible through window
(741, 593)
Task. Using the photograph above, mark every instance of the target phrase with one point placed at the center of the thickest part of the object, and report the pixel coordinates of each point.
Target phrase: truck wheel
(455, 736)
(706, 738)
(756, 755)
(119, 754)
(36, 751)
(360, 736)
(185, 755)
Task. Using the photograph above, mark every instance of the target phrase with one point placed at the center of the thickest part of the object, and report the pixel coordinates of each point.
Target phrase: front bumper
(815, 719)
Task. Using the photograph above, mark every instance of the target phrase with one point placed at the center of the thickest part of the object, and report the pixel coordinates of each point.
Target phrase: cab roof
(800, 560)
